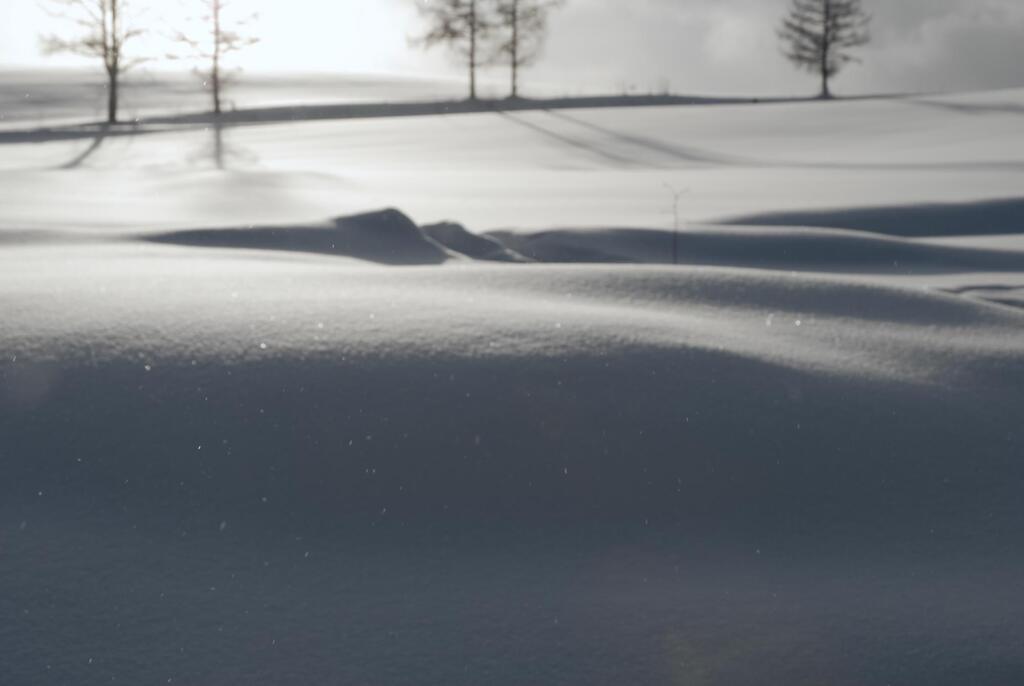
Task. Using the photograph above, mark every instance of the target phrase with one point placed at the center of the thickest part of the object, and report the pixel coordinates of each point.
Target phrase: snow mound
(549, 367)
(455, 237)
(217, 459)
(788, 248)
(235, 456)
(386, 237)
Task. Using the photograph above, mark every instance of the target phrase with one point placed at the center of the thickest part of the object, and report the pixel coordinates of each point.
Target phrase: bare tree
(819, 34)
(105, 30)
(524, 24)
(217, 37)
(459, 24)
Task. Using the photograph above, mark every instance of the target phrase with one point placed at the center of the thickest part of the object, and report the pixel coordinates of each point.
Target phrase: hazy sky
(711, 46)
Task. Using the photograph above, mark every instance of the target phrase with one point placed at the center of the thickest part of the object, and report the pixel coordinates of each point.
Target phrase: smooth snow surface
(243, 444)
(607, 167)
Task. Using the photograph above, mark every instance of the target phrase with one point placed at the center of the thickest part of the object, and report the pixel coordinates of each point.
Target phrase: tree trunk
(112, 94)
(826, 49)
(515, 49)
(472, 50)
(112, 57)
(215, 71)
(216, 87)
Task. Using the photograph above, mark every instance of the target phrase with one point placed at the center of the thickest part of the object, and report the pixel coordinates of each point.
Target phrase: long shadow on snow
(974, 108)
(298, 113)
(679, 153)
(767, 248)
(577, 143)
(98, 140)
(1003, 216)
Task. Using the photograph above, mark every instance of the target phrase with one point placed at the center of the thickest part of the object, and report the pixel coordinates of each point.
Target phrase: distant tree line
(817, 35)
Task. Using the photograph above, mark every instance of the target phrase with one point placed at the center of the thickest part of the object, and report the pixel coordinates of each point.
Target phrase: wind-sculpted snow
(766, 247)
(241, 444)
(236, 466)
(1004, 216)
(387, 237)
(455, 237)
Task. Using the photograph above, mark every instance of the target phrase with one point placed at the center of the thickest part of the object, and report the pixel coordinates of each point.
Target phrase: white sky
(710, 46)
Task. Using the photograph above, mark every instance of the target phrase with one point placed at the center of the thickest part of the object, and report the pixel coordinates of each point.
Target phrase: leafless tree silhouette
(459, 24)
(819, 34)
(105, 29)
(523, 24)
(217, 36)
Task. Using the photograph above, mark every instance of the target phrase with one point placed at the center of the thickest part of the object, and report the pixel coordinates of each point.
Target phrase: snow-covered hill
(607, 168)
(241, 443)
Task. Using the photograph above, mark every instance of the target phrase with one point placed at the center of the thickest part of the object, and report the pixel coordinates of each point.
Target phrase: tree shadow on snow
(678, 153)
(97, 142)
(607, 156)
(975, 108)
(219, 151)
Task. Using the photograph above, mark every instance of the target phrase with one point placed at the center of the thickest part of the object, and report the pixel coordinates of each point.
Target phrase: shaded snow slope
(456, 237)
(990, 217)
(387, 237)
(787, 248)
(227, 465)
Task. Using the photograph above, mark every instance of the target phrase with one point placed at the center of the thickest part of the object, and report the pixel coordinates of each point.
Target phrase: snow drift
(987, 217)
(765, 247)
(387, 237)
(455, 237)
(240, 446)
(287, 466)
(391, 237)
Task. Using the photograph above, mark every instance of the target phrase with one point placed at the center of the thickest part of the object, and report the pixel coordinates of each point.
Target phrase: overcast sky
(707, 46)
